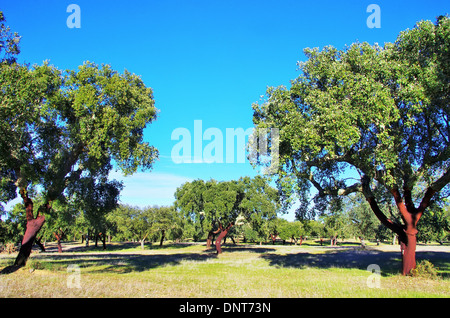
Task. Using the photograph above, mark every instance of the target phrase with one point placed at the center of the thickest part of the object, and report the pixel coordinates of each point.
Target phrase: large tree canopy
(378, 113)
(64, 130)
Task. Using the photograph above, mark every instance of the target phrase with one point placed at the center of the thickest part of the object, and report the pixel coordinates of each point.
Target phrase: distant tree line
(348, 219)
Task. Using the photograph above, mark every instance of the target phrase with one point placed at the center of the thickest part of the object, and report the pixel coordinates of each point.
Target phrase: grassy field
(190, 270)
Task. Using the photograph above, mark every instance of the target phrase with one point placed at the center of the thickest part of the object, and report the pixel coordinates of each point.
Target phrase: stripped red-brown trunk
(273, 237)
(33, 227)
(410, 216)
(210, 238)
(333, 240)
(58, 241)
(59, 234)
(221, 236)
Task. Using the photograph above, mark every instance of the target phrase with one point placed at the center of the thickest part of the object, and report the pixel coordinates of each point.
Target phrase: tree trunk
(333, 241)
(39, 243)
(363, 243)
(273, 237)
(406, 233)
(408, 254)
(410, 216)
(210, 238)
(103, 238)
(33, 227)
(221, 236)
(142, 243)
(58, 240)
(163, 234)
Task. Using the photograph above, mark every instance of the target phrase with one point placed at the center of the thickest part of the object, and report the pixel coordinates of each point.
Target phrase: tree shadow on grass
(117, 246)
(95, 259)
(116, 262)
(232, 248)
(388, 261)
(9, 269)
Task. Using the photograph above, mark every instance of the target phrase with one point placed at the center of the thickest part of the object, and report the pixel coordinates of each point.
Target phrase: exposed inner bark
(410, 216)
(273, 237)
(223, 233)
(210, 238)
(33, 227)
(58, 240)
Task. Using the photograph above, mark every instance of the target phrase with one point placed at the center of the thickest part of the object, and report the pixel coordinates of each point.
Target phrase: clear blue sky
(205, 60)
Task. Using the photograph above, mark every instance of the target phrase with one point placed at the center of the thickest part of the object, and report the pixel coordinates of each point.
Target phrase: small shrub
(33, 264)
(425, 269)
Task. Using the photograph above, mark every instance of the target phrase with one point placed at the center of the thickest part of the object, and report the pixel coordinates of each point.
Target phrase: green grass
(124, 270)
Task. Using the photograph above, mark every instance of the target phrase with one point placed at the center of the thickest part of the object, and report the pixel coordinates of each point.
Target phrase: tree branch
(407, 195)
(367, 192)
(28, 204)
(441, 182)
(336, 191)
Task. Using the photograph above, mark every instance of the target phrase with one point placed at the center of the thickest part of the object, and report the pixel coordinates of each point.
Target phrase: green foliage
(149, 223)
(251, 235)
(290, 230)
(14, 225)
(64, 130)
(435, 225)
(9, 42)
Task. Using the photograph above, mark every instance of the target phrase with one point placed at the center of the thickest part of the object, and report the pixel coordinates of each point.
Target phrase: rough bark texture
(58, 241)
(410, 216)
(33, 227)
